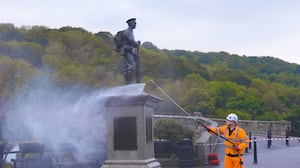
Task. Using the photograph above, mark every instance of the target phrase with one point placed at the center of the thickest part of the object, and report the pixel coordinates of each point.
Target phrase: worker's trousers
(233, 162)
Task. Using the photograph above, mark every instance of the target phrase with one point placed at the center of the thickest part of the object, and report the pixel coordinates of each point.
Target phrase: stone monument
(130, 131)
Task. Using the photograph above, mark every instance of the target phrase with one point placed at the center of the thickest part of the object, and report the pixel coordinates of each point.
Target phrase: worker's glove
(237, 148)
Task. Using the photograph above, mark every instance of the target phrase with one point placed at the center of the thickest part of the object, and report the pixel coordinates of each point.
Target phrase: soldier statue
(130, 51)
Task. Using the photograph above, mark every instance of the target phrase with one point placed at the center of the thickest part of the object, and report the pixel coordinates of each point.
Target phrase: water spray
(197, 121)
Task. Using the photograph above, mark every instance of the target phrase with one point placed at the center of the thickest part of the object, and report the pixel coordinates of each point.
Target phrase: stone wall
(261, 127)
(255, 127)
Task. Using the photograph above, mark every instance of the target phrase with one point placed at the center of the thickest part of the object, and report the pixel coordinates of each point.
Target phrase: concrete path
(279, 155)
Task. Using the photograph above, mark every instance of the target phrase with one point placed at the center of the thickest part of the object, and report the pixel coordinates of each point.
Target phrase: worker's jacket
(238, 136)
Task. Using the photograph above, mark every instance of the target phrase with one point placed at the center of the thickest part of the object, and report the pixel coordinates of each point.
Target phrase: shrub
(172, 130)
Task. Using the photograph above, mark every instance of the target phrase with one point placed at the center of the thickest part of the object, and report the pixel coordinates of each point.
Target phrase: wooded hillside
(214, 83)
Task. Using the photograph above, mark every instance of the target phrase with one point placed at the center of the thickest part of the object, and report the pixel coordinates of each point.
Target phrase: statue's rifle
(138, 69)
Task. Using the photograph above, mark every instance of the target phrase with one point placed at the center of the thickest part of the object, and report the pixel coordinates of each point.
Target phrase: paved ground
(279, 155)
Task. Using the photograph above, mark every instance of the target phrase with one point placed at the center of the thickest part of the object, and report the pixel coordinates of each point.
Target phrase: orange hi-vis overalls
(233, 158)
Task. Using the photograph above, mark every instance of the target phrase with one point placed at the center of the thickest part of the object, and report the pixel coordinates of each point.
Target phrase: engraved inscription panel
(125, 133)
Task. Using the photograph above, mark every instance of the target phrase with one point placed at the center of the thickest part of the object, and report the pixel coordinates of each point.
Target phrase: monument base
(149, 163)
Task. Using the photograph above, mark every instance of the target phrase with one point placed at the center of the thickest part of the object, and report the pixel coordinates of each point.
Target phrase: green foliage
(35, 34)
(223, 92)
(294, 116)
(247, 104)
(172, 130)
(30, 52)
(195, 95)
(233, 76)
(9, 32)
(13, 73)
(270, 116)
(241, 114)
(214, 83)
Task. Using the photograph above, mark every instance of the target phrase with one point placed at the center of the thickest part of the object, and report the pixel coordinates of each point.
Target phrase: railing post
(269, 141)
(270, 137)
(250, 138)
(287, 134)
(255, 152)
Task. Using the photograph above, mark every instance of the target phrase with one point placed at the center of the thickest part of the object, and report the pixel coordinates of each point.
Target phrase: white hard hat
(232, 117)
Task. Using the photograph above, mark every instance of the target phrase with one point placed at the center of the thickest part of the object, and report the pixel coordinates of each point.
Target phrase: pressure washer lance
(197, 121)
(210, 130)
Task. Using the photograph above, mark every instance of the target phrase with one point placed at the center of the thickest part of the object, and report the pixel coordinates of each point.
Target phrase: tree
(172, 130)
(13, 74)
(36, 34)
(294, 116)
(8, 32)
(247, 104)
(213, 83)
(272, 103)
(223, 92)
(194, 96)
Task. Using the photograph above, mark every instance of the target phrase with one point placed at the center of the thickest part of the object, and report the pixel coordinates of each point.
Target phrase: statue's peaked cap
(130, 20)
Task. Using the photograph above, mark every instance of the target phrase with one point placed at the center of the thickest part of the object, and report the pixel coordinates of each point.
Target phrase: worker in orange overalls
(234, 150)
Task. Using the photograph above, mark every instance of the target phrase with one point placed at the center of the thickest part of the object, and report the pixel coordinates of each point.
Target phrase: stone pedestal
(130, 131)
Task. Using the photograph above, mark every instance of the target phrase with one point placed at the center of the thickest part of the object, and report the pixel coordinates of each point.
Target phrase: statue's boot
(128, 76)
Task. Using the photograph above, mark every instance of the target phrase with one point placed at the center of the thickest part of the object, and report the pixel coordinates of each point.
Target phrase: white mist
(43, 112)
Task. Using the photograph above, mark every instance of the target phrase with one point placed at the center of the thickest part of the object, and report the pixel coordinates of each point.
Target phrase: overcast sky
(243, 27)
